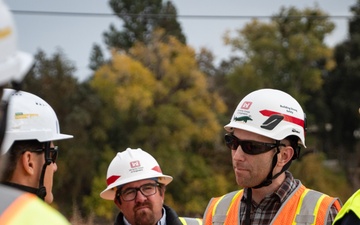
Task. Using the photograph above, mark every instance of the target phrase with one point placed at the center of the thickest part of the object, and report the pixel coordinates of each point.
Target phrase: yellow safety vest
(304, 206)
(19, 208)
(190, 221)
(352, 204)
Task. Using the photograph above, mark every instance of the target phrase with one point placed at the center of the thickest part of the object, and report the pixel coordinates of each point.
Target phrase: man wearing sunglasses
(32, 127)
(137, 186)
(263, 136)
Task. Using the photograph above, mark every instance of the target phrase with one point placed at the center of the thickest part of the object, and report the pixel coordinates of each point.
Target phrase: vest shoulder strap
(309, 201)
(222, 207)
(305, 206)
(8, 196)
(190, 221)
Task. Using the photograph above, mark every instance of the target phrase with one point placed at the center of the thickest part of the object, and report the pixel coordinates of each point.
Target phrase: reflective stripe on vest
(11, 201)
(8, 195)
(223, 205)
(19, 208)
(190, 221)
(220, 208)
(303, 206)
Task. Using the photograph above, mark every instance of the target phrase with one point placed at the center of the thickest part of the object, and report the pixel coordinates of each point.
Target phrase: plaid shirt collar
(285, 189)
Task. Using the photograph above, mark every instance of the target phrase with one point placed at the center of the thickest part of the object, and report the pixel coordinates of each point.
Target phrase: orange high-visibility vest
(304, 206)
(19, 208)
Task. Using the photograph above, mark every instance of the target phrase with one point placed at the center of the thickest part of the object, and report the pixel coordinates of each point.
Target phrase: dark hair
(294, 143)
(12, 156)
(162, 189)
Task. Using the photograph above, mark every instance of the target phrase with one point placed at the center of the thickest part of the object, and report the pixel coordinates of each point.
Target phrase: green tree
(283, 53)
(140, 19)
(96, 58)
(342, 98)
(162, 105)
(342, 87)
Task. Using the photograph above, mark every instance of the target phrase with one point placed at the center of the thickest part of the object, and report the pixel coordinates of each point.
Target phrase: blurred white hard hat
(14, 64)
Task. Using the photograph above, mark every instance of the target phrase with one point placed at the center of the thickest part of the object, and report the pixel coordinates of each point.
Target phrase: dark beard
(145, 218)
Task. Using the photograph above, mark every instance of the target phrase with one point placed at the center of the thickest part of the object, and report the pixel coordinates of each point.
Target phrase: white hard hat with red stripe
(129, 166)
(271, 113)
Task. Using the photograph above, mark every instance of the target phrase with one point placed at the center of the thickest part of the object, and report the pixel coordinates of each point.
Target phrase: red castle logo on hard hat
(246, 105)
(135, 164)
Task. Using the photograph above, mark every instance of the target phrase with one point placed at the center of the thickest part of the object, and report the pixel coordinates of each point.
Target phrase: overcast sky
(75, 35)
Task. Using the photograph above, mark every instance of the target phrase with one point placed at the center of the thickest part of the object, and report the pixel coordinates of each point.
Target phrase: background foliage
(156, 93)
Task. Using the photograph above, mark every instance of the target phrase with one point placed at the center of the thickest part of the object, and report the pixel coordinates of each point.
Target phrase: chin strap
(41, 193)
(270, 177)
(266, 182)
(248, 206)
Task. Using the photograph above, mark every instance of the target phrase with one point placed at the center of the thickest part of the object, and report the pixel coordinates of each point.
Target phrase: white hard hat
(271, 113)
(129, 166)
(14, 64)
(29, 118)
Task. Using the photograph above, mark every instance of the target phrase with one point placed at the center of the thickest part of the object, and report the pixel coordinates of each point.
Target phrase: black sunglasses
(53, 153)
(249, 147)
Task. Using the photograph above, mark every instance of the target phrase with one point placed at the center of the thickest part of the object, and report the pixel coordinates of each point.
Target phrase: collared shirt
(265, 211)
(169, 217)
(162, 221)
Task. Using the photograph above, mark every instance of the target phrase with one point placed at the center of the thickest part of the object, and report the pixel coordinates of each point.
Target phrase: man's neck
(260, 193)
(21, 187)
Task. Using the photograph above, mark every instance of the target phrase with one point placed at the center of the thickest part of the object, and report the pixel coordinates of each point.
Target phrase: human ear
(117, 200)
(28, 163)
(285, 155)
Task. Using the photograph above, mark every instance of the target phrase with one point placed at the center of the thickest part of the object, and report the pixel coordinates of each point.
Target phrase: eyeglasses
(249, 147)
(130, 194)
(53, 153)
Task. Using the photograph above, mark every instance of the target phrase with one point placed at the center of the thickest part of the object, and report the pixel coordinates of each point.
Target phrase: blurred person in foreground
(263, 136)
(350, 212)
(137, 186)
(18, 207)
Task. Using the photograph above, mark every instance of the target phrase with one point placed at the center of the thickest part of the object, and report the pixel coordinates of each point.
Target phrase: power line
(231, 17)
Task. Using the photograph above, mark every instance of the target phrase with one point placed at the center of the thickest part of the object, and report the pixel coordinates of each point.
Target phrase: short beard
(145, 218)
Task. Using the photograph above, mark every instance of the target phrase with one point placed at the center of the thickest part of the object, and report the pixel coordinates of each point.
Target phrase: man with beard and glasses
(263, 136)
(137, 185)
